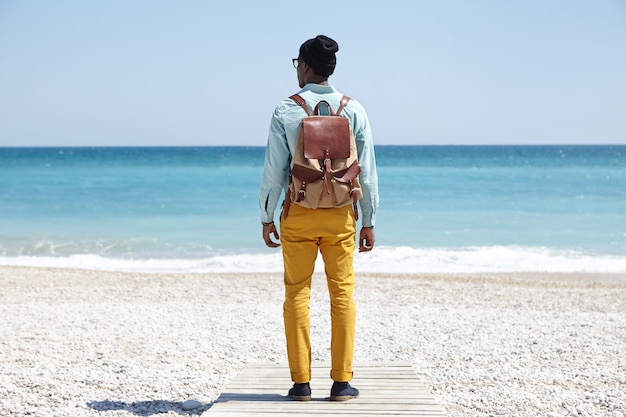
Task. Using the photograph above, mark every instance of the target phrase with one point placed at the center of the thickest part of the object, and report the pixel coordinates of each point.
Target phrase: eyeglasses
(295, 62)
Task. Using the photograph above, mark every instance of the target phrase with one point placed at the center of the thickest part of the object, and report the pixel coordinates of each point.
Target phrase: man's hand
(269, 229)
(366, 239)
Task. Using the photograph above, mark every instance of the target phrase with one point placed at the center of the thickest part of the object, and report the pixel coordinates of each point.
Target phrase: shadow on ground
(229, 397)
(147, 408)
(150, 408)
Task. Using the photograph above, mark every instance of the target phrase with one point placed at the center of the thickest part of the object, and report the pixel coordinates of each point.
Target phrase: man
(305, 231)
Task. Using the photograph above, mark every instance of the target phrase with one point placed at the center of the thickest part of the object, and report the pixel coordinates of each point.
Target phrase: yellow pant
(332, 231)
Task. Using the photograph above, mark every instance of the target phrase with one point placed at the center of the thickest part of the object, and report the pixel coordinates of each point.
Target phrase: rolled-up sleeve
(276, 171)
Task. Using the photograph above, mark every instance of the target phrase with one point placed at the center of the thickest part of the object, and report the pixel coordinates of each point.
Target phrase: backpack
(325, 170)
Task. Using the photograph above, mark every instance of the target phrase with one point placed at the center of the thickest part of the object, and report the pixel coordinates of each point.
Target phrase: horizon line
(263, 146)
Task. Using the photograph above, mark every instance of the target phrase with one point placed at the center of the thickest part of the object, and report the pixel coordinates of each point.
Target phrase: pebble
(191, 405)
(93, 351)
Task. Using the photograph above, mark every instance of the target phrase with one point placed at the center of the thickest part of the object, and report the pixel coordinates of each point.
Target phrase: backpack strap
(343, 103)
(316, 110)
(300, 101)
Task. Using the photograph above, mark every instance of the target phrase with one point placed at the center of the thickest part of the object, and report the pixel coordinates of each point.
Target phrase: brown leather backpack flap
(326, 133)
(348, 174)
(306, 174)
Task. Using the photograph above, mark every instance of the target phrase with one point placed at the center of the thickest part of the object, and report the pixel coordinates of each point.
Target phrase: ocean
(443, 209)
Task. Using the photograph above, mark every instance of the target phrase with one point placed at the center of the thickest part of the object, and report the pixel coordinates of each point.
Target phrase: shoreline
(385, 260)
(96, 343)
(519, 276)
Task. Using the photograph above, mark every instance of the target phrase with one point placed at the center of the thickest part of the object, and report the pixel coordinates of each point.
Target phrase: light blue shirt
(281, 145)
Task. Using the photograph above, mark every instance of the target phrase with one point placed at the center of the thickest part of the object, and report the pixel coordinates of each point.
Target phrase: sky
(208, 73)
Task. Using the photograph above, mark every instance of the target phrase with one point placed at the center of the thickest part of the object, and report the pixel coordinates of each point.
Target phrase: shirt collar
(319, 89)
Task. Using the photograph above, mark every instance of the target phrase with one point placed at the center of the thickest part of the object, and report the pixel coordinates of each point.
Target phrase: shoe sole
(300, 397)
(343, 397)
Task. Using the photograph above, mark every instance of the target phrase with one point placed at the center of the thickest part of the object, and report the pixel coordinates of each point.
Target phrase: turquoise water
(442, 208)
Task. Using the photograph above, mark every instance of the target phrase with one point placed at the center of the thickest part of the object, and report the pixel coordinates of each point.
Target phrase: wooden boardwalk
(389, 389)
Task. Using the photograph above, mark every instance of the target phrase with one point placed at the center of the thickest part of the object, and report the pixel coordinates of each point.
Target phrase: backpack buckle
(327, 161)
(301, 192)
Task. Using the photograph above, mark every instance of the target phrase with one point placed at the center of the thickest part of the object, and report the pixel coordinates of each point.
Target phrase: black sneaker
(300, 392)
(343, 391)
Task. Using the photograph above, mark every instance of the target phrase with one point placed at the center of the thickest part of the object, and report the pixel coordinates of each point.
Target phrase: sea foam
(380, 260)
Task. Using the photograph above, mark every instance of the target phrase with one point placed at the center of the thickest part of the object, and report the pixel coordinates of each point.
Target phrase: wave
(381, 260)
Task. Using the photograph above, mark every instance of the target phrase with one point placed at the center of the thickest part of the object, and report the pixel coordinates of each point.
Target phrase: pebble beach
(95, 343)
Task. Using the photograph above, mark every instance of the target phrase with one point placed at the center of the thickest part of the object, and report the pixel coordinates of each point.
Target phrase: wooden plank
(326, 413)
(386, 389)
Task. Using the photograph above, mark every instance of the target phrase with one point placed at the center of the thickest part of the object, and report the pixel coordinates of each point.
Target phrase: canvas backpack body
(325, 170)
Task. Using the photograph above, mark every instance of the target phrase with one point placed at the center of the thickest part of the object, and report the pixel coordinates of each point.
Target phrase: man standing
(305, 231)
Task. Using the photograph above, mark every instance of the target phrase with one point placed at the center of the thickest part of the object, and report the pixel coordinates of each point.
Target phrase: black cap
(319, 54)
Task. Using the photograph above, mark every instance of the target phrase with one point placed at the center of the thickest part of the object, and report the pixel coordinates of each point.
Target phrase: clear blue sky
(97, 73)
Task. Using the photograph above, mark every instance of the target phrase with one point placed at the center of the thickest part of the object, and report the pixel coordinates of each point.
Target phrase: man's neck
(318, 79)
